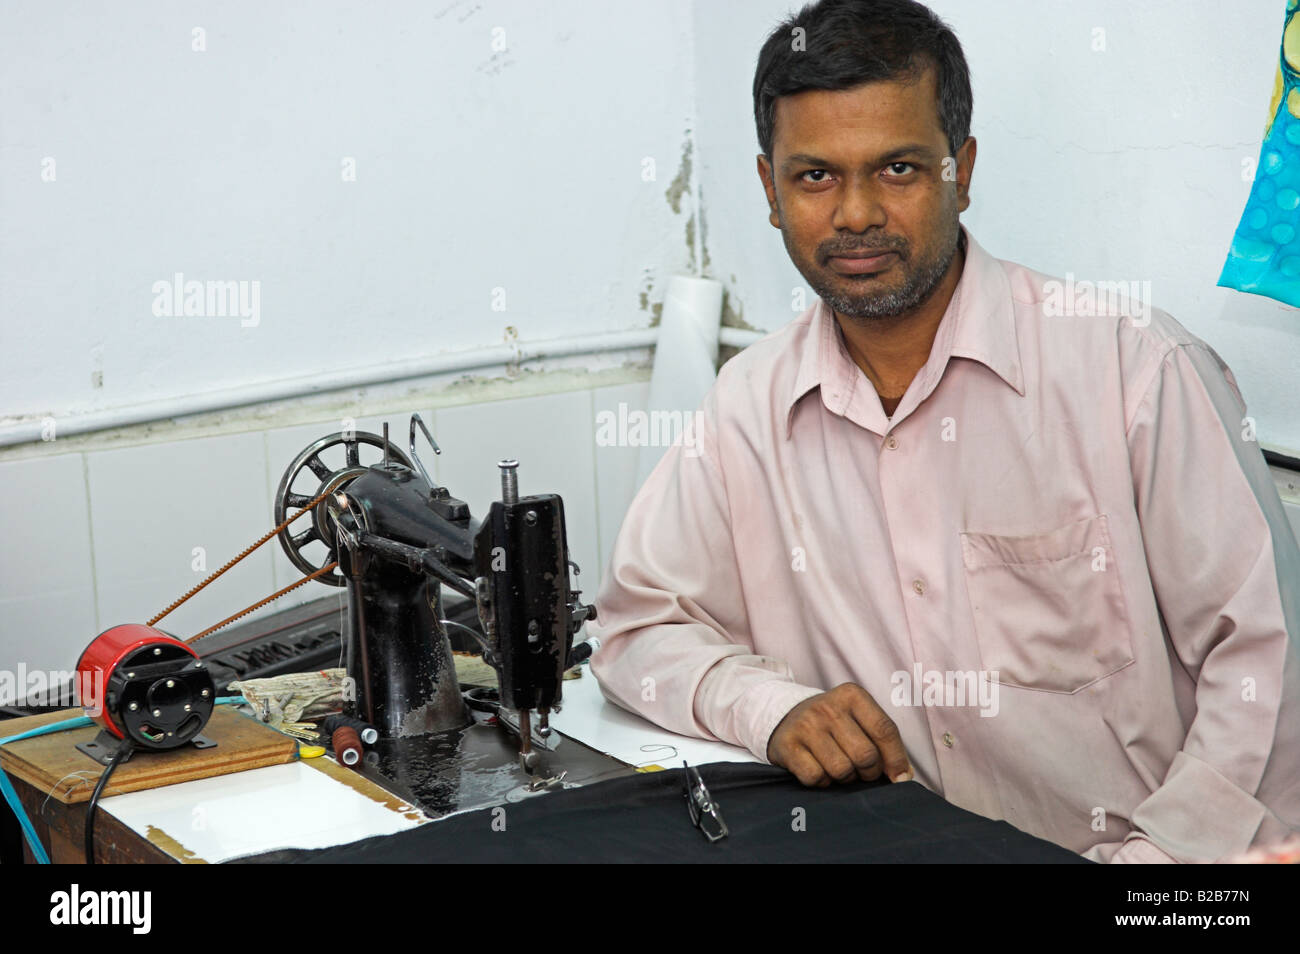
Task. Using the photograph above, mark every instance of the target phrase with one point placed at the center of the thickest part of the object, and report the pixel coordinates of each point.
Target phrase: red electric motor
(139, 683)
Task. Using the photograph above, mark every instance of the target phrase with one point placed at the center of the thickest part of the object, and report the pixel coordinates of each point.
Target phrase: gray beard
(915, 291)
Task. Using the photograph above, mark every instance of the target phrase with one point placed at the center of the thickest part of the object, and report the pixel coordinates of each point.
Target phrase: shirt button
(919, 586)
(891, 442)
(948, 740)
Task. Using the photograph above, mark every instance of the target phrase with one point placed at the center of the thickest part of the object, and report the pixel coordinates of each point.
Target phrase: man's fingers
(801, 763)
(860, 750)
(833, 760)
(884, 735)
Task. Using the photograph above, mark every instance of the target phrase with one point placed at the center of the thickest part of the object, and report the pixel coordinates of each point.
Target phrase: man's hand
(838, 736)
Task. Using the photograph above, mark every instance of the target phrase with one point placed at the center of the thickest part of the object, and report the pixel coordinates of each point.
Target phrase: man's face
(862, 172)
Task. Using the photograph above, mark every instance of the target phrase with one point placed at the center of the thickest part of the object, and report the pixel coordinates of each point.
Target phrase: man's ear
(769, 187)
(965, 169)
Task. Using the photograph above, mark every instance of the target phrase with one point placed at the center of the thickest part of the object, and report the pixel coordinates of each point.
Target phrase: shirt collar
(979, 324)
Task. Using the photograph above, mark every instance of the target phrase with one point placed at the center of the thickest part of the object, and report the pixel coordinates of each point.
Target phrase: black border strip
(1281, 460)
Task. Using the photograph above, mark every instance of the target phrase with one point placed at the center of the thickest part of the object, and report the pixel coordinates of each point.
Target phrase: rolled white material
(685, 367)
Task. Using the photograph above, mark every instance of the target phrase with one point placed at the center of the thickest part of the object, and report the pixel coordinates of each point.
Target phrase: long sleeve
(672, 618)
(1225, 569)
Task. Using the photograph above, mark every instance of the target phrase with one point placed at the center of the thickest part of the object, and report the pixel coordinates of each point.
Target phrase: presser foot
(529, 761)
(542, 784)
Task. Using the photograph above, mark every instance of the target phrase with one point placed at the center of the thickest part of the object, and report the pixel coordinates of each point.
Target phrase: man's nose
(860, 206)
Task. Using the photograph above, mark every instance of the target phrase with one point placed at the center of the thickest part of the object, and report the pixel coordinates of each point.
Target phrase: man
(935, 477)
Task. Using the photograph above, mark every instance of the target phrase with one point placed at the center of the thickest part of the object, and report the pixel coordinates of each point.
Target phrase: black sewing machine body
(398, 657)
(398, 538)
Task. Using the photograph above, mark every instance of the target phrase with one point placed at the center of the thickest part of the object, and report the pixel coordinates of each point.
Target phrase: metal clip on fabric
(705, 814)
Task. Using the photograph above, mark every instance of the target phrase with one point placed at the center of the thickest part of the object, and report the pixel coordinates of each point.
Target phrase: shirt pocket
(1049, 608)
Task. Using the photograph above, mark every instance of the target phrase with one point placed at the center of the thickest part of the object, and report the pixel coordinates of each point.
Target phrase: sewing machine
(398, 538)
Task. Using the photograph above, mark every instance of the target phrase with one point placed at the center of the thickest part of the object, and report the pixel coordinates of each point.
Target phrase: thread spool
(367, 732)
(347, 745)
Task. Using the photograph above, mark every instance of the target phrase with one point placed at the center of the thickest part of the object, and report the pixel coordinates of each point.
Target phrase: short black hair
(849, 42)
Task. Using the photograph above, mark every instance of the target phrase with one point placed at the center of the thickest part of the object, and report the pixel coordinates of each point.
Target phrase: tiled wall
(112, 536)
(104, 537)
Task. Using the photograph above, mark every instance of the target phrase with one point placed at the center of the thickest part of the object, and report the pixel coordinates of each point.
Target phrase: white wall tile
(47, 596)
(45, 521)
(1293, 514)
(45, 632)
(551, 437)
(616, 466)
(151, 506)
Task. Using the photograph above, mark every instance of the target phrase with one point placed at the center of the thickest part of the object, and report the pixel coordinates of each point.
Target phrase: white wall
(524, 172)
(476, 170)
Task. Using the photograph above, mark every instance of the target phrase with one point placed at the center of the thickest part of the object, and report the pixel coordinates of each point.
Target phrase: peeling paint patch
(560, 374)
(656, 308)
(647, 286)
(705, 261)
(682, 181)
(733, 311)
(475, 389)
(160, 839)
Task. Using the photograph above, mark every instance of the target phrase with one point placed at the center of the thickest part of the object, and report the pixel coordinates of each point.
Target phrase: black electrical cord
(123, 752)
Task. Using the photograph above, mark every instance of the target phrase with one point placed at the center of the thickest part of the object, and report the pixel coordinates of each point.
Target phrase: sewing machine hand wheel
(318, 534)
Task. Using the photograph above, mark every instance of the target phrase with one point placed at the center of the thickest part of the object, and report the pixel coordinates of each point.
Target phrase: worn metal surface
(477, 767)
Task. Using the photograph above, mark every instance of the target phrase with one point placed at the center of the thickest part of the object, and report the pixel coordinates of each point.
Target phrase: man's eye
(900, 168)
(814, 172)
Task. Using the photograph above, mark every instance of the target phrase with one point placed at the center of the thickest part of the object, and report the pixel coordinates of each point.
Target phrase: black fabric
(644, 818)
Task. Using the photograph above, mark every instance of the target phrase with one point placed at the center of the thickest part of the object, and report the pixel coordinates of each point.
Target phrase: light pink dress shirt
(1073, 502)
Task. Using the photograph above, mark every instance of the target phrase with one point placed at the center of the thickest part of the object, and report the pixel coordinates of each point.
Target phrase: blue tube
(7, 788)
(11, 796)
